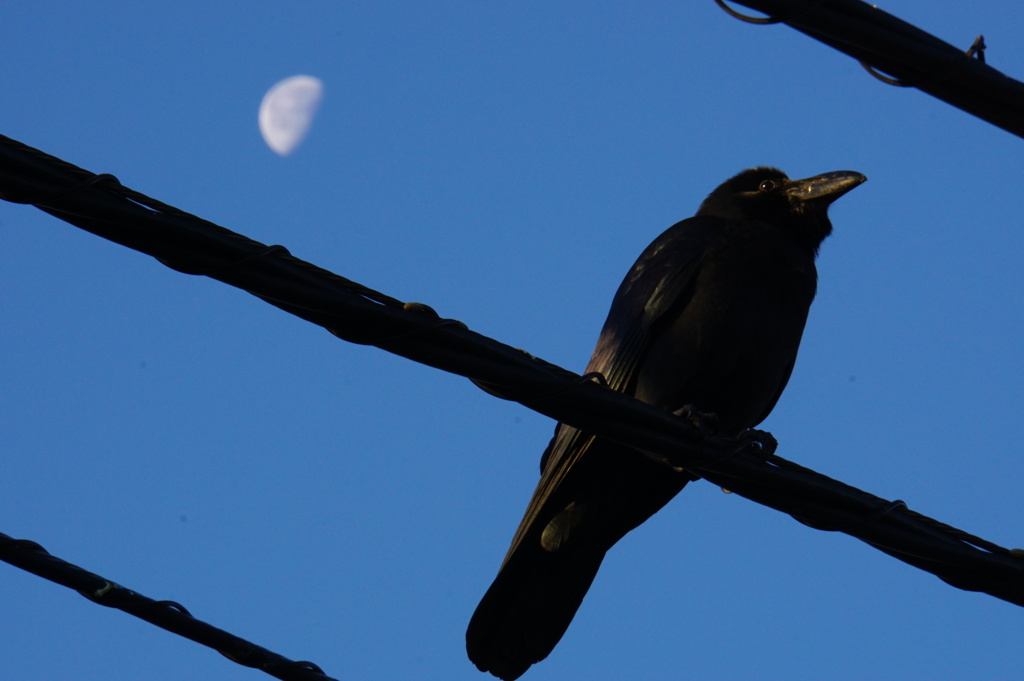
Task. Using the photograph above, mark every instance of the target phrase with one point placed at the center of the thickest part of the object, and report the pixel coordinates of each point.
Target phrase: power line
(914, 58)
(167, 615)
(748, 466)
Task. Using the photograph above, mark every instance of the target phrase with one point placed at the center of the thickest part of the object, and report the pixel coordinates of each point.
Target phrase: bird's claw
(705, 422)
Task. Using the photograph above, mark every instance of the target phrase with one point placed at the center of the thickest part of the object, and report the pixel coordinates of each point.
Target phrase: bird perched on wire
(708, 319)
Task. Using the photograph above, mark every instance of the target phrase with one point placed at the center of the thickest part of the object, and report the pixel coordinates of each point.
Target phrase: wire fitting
(975, 51)
(57, 197)
(746, 18)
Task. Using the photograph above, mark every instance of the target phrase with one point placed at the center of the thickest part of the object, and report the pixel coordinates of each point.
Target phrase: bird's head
(768, 195)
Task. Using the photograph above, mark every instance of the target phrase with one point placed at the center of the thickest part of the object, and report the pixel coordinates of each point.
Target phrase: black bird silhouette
(709, 318)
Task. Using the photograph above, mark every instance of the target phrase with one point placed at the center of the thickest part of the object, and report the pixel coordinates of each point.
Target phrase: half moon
(287, 112)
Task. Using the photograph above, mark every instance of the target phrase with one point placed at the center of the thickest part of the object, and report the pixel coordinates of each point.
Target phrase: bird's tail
(571, 522)
(528, 607)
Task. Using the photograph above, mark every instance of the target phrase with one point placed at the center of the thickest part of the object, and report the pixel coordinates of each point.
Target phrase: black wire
(167, 615)
(102, 206)
(358, 314)
(912, 57)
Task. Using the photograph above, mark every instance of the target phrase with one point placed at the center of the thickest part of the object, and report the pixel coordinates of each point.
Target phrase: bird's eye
(766, 186)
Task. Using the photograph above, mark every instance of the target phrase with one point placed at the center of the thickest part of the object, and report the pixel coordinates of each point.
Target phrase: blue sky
(504, 163)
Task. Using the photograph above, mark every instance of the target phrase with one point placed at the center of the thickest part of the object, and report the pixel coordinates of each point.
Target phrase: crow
(708, 321)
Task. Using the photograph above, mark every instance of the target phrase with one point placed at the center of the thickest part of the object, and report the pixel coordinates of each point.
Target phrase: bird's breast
(731, 347)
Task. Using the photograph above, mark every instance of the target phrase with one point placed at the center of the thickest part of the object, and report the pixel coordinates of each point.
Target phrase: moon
(287, 112)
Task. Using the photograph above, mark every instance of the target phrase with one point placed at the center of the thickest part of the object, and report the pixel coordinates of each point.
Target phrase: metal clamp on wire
(883, 511)
(975, 51)
(764, 20)
(593, 376)
(227, 267)
(57, 197)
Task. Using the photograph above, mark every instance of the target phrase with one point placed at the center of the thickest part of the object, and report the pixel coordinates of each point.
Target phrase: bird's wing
(660, 282)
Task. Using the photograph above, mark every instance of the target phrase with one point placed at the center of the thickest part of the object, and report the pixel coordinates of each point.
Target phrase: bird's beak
(825, 188)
